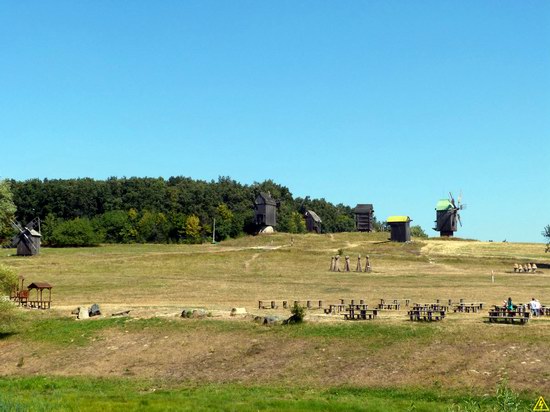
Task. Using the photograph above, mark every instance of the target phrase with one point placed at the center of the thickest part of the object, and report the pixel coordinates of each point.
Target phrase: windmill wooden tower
(265, 211)
(364, 217)
(447, 216)
(27, 240)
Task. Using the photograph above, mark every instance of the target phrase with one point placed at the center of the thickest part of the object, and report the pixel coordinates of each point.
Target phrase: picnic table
(393, 305)
(335, 308)
(472, 307)
(426, 314)
(355, 313)
(500, 314)
(432, 306)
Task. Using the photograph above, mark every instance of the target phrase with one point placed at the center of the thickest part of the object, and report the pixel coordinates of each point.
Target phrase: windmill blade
(459, 221)
(452, 200)
(16, 226)
(459, 200)
(29, 241)
(33, 223)
(15, 240)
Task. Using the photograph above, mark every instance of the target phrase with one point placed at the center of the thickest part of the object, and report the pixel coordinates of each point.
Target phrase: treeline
(78, 212)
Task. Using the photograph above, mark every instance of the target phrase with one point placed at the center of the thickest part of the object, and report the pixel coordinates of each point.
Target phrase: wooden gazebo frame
(40, 302)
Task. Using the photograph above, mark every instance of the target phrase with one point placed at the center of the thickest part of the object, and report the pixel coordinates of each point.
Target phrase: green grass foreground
(82, 394)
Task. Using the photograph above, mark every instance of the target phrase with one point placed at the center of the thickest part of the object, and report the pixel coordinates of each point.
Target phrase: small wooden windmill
(447, 216)
(27, 240)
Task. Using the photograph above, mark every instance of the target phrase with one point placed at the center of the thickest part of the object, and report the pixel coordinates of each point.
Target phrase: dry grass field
(461, 353)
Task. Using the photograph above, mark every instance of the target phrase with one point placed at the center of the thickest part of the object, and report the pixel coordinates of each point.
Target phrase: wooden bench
(500, 315)
(426, 314)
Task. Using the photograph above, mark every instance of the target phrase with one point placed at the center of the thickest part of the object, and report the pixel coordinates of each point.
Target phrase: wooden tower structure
(364, 217)
(265, 210)
(447, 217)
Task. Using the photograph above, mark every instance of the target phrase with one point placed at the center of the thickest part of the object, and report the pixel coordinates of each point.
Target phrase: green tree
(7, 210)
(224, 222)
(193, 229)
(417, 231)
(113, 225)
(76, 233)
(546, 234)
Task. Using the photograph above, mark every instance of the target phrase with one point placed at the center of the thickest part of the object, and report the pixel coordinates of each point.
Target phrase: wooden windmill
(27, 240)
(447, 216)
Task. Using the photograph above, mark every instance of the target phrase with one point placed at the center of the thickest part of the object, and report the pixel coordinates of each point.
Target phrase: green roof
(443, 204)
(396, 219)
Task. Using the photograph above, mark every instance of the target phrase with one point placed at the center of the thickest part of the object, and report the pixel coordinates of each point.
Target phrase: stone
(238, 311)
(82, 313)
(94, 310)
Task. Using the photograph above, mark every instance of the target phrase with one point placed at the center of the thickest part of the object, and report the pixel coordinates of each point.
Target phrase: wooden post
(332, 264)
(285, 304)
(347, 265)
(367, 264)
(260, 304)
(273, 305)
(342, 301)
(320, 304)
(308, 304)
(359, 268)
(361, 301)
(407, 302)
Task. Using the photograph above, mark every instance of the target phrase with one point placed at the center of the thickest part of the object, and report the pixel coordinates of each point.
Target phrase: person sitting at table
(509, 305)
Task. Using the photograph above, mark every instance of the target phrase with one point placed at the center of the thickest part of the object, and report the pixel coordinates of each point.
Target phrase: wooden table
(360, 314)
(425, 314)
(473, 307)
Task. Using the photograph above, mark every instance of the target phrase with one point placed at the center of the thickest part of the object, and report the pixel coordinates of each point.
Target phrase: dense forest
(77, 212)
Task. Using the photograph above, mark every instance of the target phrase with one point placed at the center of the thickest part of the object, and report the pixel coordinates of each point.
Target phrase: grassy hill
(155, 359)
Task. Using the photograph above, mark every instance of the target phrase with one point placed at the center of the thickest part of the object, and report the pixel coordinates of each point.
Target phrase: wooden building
(447, 217)
(265, 210)
(400, 228)
(313, 221)
(364, 217)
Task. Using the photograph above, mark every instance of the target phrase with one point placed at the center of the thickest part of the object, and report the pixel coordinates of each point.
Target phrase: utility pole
(214, 232)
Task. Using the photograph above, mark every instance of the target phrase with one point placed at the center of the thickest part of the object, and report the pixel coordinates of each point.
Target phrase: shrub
(298, 314)
(8, 279)
(77, 232)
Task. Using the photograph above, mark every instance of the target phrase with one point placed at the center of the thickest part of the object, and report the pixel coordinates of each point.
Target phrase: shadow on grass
(5, 335)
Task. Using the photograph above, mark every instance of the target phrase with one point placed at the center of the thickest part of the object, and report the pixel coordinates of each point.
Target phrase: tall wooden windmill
(447, 216)
(27, 240)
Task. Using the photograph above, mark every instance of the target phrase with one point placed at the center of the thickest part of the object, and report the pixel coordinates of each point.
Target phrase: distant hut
(400, 228)
(364, 217)
(313, 221)
(265, 210)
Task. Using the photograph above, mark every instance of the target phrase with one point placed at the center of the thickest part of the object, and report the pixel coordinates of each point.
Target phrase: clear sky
(394, 103)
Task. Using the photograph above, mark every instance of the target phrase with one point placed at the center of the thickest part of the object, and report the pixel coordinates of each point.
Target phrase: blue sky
(394, 103)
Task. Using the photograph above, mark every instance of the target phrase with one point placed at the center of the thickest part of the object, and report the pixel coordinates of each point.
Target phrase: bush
(77, 233)
(8, 279)
(298, 314)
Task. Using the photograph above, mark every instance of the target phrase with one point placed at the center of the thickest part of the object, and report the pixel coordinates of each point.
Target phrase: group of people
(534, 306)
(527, 268)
